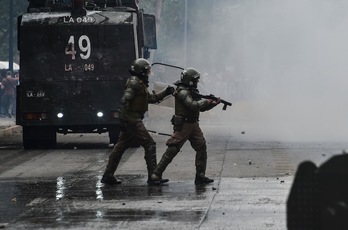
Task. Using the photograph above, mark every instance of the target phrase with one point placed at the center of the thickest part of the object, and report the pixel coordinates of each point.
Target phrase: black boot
(154, 179)
(167, 157)
(201, 179)
(157, 180)
(114, 160)
(110, 180)
(151, 181)
(156, 176)
(151, 162)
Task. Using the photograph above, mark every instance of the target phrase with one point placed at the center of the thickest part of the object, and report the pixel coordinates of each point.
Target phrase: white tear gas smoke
(283, 64)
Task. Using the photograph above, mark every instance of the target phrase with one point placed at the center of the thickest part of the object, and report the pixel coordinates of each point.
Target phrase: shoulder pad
(133, 82)
(181, 93)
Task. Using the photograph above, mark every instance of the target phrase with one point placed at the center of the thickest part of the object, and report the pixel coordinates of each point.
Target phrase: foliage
(170, 29)
(174, 33)
(19, 7)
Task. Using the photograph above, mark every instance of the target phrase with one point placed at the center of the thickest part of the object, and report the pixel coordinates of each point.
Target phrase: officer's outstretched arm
(210, 105)
(189, 103)
(158, 97)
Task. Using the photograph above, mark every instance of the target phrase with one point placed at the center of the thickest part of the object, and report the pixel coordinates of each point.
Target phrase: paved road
(60, 189)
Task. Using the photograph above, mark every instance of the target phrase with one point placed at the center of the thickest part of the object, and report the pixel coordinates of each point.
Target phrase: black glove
(169, 90)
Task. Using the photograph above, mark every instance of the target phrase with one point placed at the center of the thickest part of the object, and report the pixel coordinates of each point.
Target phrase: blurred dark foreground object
(319, 196)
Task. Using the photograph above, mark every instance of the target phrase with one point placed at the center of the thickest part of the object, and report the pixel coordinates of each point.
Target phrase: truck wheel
(114, 132)
(39, 137)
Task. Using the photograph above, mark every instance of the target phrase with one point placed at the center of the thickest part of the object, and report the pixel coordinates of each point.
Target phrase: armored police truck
(74, 60)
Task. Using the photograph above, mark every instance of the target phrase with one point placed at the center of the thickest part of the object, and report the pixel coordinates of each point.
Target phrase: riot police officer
(134, 104)
(186, 126)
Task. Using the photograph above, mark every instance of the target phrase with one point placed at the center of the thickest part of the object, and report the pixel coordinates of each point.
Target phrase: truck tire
(114, 132)
(36, 137)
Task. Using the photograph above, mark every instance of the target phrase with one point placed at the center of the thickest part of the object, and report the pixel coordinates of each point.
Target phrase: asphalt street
(60, 188)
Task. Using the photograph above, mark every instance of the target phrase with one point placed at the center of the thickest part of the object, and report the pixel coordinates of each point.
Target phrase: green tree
(170, 29)
(171, 34)
(19, 7)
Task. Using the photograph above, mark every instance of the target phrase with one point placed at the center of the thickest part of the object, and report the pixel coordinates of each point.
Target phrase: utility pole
(10, 47)
(185, 35)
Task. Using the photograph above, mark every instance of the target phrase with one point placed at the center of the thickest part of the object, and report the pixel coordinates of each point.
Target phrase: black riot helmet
(190, 77)
(141, 67)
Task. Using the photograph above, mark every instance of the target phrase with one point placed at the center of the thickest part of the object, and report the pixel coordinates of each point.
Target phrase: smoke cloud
(282, 63)
(296, 60)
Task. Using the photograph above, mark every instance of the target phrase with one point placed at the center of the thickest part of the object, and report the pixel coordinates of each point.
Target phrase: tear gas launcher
(212, 97)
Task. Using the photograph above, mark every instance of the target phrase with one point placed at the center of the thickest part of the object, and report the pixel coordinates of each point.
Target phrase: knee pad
(171, 152)
(152, 148)
(202, 148)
